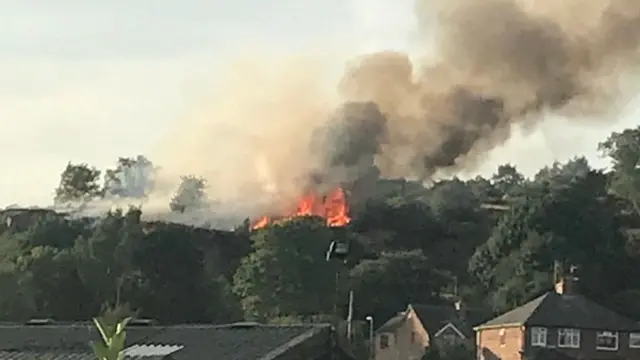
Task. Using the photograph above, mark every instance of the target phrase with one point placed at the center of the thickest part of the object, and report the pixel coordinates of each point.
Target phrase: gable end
(452, 327)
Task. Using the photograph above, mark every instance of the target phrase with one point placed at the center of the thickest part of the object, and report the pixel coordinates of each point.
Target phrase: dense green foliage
(494, 241)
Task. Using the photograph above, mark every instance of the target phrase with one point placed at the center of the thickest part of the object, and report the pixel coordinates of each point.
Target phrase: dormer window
(539, 336)
(569, 338)
(607, 340)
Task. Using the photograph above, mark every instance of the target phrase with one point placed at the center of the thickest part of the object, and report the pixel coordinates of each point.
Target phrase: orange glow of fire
(333, 208)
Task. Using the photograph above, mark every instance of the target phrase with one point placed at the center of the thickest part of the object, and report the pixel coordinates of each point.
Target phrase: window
(569, 338)
(634, 340)
(607, 340)
(384, 341)
(503, 337)
(539, 336)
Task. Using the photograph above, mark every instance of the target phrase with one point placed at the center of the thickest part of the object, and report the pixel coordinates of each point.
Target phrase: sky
(89, 81)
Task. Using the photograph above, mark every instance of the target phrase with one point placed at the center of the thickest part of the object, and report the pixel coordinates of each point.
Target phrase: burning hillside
(332, 207)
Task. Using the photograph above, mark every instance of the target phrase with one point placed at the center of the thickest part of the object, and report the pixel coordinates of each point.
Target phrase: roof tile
(564, 310)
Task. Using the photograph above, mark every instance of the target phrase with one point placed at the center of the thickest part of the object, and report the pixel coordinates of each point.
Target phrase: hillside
(492, 242)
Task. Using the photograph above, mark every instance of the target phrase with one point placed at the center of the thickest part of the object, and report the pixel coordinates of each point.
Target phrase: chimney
(460, 309)
(568, 284)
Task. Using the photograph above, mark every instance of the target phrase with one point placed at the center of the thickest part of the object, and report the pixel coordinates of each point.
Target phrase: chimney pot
(567, 281)
(460, 309)
(568, 285)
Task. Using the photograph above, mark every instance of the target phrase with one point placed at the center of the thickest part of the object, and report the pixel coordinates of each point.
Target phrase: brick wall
(407, 342)
(500, 343)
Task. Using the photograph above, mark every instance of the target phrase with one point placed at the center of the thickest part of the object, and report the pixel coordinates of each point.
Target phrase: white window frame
(573, 335)
(613, 334)
(637, 338)
(539, 336)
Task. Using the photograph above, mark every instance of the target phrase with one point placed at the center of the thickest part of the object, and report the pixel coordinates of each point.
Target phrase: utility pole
(350, 318)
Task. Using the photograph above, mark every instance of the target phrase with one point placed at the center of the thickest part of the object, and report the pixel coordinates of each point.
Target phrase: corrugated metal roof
(139, 351)
(45, 355)
(201, 342)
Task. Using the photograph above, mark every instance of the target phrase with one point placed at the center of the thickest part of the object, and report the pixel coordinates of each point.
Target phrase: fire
(332, 207)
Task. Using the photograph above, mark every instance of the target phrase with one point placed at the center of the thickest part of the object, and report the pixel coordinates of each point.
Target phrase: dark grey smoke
(464, 104)
(500, 65)
(354, 136)
(358, 130)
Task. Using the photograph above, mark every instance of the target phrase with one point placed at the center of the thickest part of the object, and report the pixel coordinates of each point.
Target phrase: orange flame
(332, 207)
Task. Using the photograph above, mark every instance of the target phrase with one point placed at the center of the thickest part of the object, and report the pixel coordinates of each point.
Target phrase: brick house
(561, 324)
(407, 335)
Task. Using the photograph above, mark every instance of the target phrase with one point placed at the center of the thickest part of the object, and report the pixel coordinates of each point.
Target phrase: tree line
(492, 241)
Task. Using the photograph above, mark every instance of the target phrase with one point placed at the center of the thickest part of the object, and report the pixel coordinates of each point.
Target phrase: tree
(78, 183)
(385, 285)
(401, 226)
(52, 285)
(51, 230)
(131, 178)
(452, 199)
(507, 179)
(623, 149)
(175, 286)
(105, 257)
(484, 190)
(448, 352)
(578, 223)
(287, 274)
(562, 175)
(190, 194)
(457, 352)
(463, 222)
(15, 298)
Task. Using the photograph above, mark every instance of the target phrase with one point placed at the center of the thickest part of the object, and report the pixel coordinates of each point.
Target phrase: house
(407, 335)
(241, 341)
(560, 324)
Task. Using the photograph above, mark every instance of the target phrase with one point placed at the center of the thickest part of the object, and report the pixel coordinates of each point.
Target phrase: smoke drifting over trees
(500, 64)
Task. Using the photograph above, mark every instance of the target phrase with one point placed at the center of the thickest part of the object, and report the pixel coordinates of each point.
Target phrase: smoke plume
(499, 64)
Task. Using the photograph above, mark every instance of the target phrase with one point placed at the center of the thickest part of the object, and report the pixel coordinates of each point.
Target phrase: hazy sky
(88, 81)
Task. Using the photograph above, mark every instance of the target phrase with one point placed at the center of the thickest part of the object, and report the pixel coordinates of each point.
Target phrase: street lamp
(338, 250)
(372, 345)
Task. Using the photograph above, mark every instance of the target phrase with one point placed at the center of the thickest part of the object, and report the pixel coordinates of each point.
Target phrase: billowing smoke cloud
(349, 143)
(498, 64)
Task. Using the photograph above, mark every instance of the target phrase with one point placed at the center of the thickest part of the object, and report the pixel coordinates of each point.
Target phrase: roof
(435, 317)
(392, 324)
(49, 355)
(137, 351)
(563, 310)
(193, 342)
